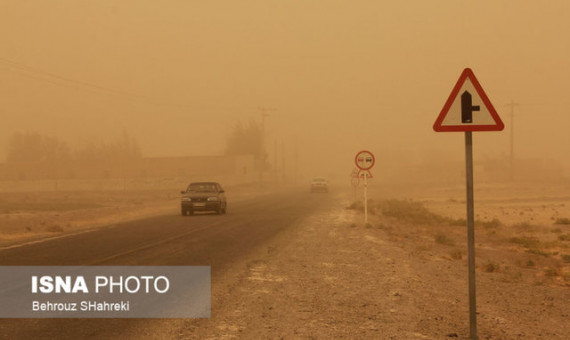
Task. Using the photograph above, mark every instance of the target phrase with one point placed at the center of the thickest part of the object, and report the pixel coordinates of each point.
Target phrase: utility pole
(262, 156)
(512, 105)
(296, 167)
(283, 162)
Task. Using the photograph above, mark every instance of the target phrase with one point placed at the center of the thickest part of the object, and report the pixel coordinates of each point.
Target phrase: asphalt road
(215, 240)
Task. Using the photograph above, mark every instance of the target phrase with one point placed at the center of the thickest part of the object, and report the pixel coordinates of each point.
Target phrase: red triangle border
(468, 73)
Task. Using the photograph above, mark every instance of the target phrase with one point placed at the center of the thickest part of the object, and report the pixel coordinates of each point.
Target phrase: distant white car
(319, 184)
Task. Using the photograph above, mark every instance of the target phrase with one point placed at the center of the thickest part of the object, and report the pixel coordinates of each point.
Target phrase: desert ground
(403, 275)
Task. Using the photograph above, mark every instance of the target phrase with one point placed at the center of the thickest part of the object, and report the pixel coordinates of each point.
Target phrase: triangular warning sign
(365, 173)
(468, 108)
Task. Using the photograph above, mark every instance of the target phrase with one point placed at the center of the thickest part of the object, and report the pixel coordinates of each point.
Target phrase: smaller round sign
(364, 160)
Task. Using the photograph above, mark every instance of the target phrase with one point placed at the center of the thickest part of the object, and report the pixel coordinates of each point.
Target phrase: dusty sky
(341, 76)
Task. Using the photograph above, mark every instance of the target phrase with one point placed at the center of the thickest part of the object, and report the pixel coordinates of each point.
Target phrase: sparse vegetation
(523, 226)
(456, 254)
(530, 263)
(491, 267)
(356, 205)
(527, 242)
(412, 211)
(562, 220)
(494, 223)
(539, 252)
(564, 237)
(566, 258)
(442, 238)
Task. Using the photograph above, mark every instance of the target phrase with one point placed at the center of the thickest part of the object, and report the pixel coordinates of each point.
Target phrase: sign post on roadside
(365, 161)
(466, 110)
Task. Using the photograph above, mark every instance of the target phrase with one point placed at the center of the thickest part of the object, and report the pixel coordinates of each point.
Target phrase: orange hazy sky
(340, 76)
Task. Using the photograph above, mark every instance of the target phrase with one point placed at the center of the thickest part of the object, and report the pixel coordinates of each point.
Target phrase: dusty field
(402, 276)
(396, 278)
(27, 215)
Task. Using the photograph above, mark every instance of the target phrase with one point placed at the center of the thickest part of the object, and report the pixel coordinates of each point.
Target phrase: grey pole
(470, 235)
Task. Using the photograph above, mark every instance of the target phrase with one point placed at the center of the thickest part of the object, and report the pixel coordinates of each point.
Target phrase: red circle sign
(364, 160)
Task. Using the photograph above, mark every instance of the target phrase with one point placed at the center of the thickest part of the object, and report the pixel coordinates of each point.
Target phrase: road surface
(216, 240)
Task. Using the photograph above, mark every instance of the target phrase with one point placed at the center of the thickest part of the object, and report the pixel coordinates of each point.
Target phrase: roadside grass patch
(562, 220)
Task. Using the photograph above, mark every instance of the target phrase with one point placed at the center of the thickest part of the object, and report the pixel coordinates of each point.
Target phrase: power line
(37, 71)
(59, 80)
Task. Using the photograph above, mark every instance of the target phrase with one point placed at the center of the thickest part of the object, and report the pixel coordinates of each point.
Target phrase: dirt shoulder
(333, 277)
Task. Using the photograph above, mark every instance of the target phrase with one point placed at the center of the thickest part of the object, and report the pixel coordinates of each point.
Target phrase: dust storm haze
(325, 78)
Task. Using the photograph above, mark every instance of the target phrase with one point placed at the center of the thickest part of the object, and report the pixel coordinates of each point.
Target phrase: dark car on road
(203, 196)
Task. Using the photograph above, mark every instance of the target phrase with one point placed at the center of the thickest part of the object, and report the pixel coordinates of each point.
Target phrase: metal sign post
(365, 198)
(459, 114)
(470, 235)
(365, 161)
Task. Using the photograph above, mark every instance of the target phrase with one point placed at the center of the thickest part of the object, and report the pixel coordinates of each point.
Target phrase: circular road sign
(364, 160)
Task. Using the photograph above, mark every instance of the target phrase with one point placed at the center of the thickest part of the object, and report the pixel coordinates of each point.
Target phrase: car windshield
(199, 187)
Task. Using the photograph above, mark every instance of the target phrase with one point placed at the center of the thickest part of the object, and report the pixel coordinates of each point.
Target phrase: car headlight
(213, 198)
(186, 199)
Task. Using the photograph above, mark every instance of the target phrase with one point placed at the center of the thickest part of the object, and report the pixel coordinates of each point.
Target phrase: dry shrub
(356, 205)
(441, 238)
(491, 267)
(456, 254)
(562, 220)
(527, 242)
